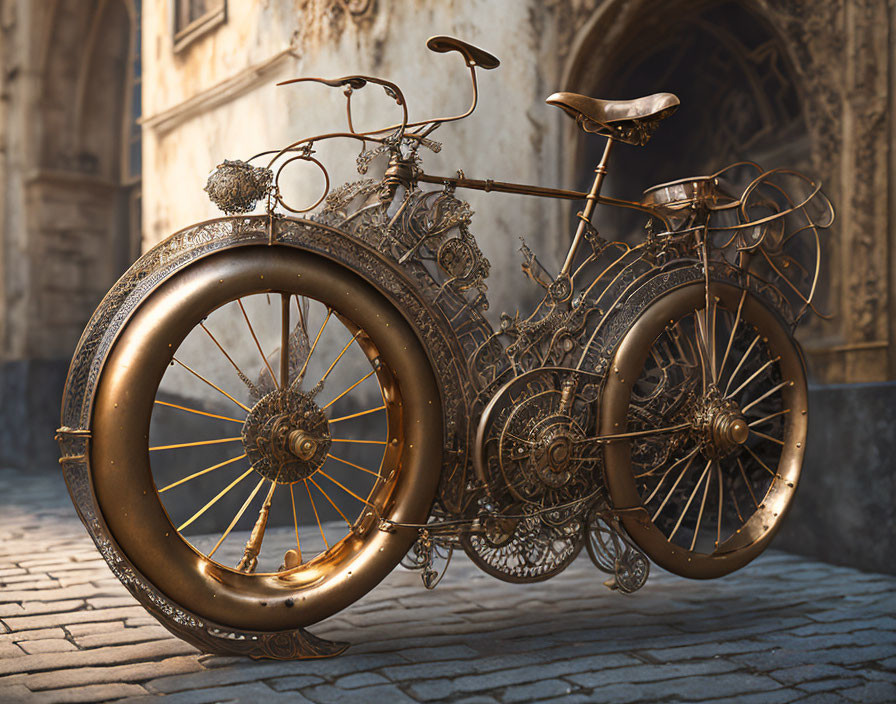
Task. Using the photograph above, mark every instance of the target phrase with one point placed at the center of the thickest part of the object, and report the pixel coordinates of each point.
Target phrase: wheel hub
(286, 436)
(722, 425)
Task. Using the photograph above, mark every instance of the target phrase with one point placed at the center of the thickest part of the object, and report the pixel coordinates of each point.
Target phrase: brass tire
(122, 478)
(759, 527)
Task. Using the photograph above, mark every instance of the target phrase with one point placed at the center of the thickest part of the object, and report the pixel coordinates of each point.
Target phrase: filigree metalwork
(235, 186)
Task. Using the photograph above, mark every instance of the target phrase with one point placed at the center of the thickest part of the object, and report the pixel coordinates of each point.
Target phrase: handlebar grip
(473, 55)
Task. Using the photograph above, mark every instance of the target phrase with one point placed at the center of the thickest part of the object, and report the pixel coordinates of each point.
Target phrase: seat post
(590, 203)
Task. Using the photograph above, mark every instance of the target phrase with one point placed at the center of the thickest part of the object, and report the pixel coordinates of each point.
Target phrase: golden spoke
(768, 437)
(320, 332)
(672, 490)
(194, 444)
(327, 497)
(747, 482)
(690, 499)
(346, 489)
(740, 363)
(362, 442)
(197, 412)
(668, 469)
(701, 350)
(765, 395)
(753, 376)
(719, 524)
(736, 504)
(700, 514)
(238, 516)
(768, 418)
(335, 361)
(362, 413)
(715, 310)
(319, 525)
(762, 464)
(284, 340)
(733, 330)
(215, 500)
(201, 472)
(350, 388)
(239, 372)
(216, 388)
(295, 520)
(352, 464)
(301, 316)
(639, 433)
(239, 302)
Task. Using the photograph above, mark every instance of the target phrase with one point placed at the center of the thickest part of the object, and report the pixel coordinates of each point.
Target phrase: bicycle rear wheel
(708, 496)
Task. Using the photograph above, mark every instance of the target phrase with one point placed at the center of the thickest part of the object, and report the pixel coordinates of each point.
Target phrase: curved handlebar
(473, 55)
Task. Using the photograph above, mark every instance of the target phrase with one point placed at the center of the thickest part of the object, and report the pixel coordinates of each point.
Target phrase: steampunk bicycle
(652, 406)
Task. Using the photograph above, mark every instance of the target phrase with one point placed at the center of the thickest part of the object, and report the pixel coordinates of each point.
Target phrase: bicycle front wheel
(255, 418)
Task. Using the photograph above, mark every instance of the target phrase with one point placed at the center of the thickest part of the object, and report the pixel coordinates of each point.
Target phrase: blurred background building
(113, 112)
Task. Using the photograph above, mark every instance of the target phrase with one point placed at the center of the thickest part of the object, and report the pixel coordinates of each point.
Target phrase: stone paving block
(80, 591)
(447, 652)
(36, 634)
(139, 621)
(134, 672)
(282, 684)
(360, 679)
(35, 608)
(809, 672)
(10, 650)
(637, 674)
(48, 645)
(80, 629)
(98, 656)
(825, 698)
(122, 636)
(537, 691)
(777, 696)
(871, 692)
(706, 649)
(329, 694)
(110, 602)
(17, 693)
(91, 693)
(25, 578)
(831, 684)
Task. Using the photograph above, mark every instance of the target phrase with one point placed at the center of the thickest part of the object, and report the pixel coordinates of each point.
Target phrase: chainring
(535, 552)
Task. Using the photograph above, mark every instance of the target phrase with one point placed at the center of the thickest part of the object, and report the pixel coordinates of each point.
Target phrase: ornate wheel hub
(723, 427)
(286, 436)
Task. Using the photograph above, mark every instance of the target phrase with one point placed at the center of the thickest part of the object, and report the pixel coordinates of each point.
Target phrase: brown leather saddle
(630, 121)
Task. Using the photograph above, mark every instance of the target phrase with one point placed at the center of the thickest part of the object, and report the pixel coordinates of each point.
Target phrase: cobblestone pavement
(783, 629)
